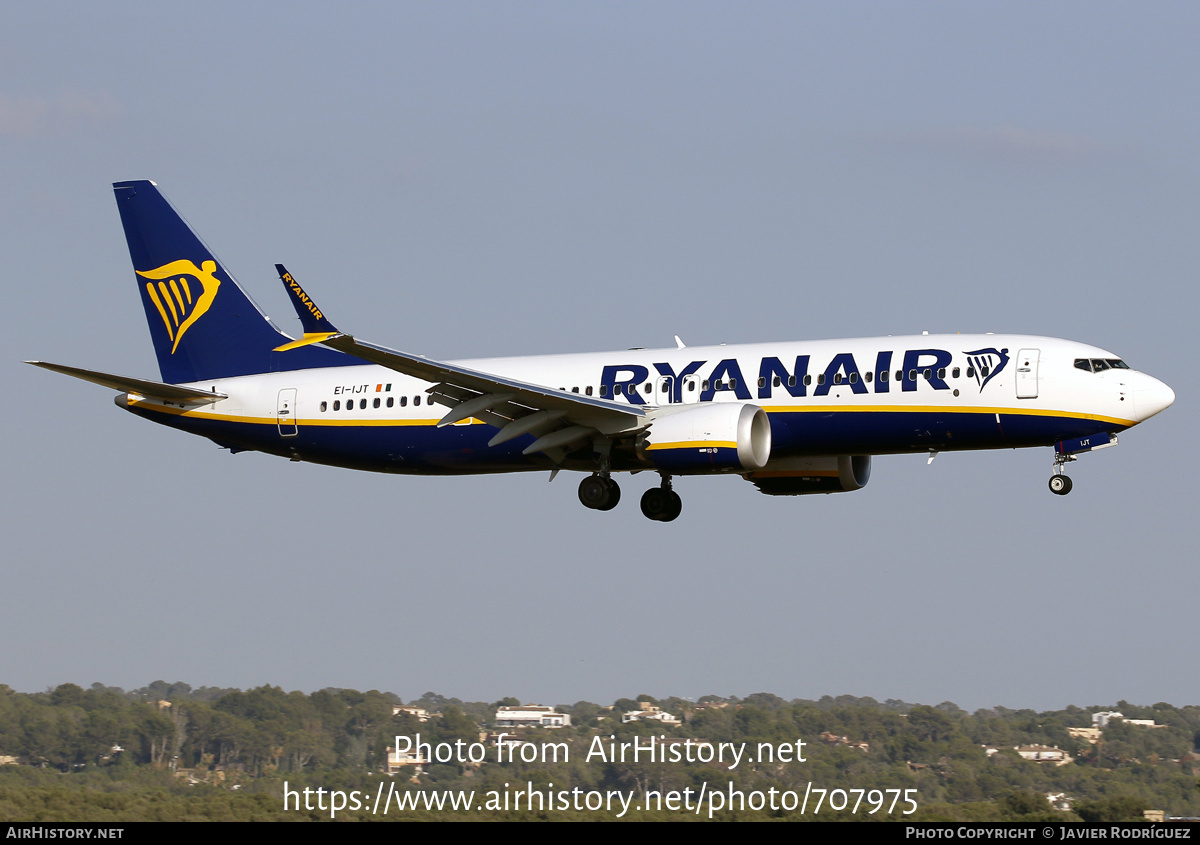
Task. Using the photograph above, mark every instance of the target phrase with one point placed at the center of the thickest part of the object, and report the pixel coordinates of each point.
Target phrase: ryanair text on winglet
(295, 288)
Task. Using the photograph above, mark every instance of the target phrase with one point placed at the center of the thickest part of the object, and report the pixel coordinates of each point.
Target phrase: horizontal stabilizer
(150, 389)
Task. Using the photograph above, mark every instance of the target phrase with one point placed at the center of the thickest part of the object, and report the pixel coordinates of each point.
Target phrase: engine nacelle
(713, 437)
(801, 476)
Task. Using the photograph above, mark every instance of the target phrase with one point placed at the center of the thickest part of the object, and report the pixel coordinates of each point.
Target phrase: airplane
(792, 418)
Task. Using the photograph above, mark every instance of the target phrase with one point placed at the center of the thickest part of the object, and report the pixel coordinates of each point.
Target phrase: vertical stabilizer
(203, 325)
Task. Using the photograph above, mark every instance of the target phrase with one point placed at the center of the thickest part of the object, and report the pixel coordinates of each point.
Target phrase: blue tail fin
(202, 323)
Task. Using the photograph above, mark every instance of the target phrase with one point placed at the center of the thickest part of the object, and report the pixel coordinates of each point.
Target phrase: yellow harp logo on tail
(172, 294)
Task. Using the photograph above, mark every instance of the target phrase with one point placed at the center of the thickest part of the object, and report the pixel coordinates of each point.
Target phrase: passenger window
(362, 404)
(403, 401)
(337, 404)
(391, 401)
(376, 402)
(691, 385)
(983, 371)
(867, 376)
(323, 407)
(808, 379)
(775, 381)
(900, 375)
(706, 384)
(883, 375)
(574, 389)
(837, 378)
(604, 390)
(762, 381)
(954, 373)
(970, 372)
(588, 390)
(821, 378)
(854, 378)
(416, 401)
(928, 373)
(791, 381)
(912, 375)
(941, 372)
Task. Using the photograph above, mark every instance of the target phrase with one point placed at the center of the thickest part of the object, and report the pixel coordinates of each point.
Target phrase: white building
(531, 716)
(649, 713)
(1105, 716)
(397, 760)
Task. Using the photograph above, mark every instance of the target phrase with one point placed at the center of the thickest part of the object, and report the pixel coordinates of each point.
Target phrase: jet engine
(713, 437)
(801, 476)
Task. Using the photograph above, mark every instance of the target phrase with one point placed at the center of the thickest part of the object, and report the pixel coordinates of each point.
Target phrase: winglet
(316, 327)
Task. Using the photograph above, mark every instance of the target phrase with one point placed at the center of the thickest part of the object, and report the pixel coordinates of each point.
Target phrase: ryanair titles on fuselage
(803, 376)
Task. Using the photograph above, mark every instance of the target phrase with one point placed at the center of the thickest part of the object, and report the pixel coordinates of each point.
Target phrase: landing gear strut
(661, 503)
(599, 492)
(1060, 484)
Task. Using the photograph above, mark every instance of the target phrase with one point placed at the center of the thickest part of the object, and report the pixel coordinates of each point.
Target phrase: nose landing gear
(1060, 484)
(661, 503)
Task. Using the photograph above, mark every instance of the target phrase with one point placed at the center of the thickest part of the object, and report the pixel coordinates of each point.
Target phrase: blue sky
(478, 179)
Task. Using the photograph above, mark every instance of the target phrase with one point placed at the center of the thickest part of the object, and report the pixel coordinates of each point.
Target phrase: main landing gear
(1060, 484)
(599, 492)
(661, 503)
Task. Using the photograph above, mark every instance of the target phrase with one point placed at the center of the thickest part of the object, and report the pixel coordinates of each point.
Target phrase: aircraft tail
(203, 324)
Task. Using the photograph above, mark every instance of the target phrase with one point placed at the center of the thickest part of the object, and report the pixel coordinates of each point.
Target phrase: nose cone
(1150, 396)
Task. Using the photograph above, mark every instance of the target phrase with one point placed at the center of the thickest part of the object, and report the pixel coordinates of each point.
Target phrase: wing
(558, 420)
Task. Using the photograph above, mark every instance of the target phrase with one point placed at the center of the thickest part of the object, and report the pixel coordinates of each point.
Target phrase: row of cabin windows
(390, 402)
(777, 381)
(731, 384)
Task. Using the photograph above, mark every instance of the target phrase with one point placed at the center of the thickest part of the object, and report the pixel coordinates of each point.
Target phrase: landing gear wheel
(614, 495)
(593, 492)
(599, 493)
(654, 503)
(661, 504)
(1060, 485)
(676, 506)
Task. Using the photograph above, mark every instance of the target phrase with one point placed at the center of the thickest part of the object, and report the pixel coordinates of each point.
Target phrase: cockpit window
(1099, 365)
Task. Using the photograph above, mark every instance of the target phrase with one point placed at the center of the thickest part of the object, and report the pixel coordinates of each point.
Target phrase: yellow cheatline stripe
(351, 421)
(692, 444)
(162, 311)
(187, 290)
(940, 409)
(178, 296)
(166, 295)
(205, 415)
